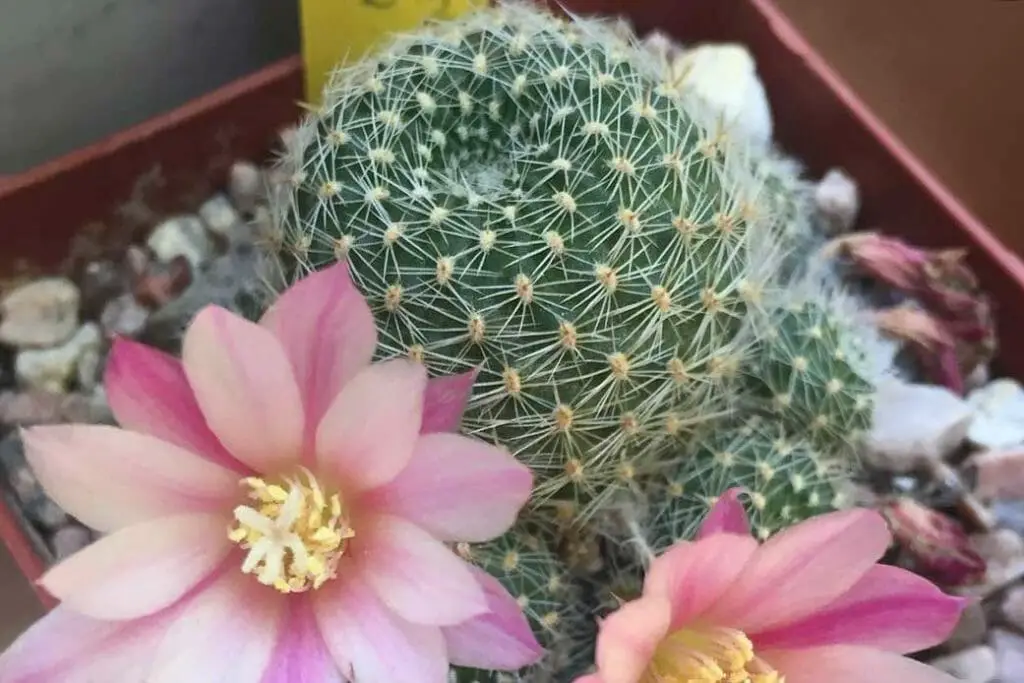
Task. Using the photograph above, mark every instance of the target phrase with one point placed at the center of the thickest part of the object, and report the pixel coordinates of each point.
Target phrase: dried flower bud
(937, 545)
(932, 342)
(886, 258)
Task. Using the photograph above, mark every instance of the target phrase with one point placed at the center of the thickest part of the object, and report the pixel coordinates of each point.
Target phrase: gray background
(74, 71)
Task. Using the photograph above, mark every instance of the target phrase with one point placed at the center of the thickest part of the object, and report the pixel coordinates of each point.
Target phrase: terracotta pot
(818, 119)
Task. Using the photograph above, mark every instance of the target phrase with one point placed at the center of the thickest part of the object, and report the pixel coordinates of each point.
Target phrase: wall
(945, 75)
(73, 71)
(940, 73)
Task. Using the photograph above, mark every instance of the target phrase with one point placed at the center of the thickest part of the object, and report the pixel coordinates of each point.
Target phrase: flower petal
(457, 488)
(226, 633)
(851, 664)
(445, 401)
(890, 609)
(589, 678)
(327, 330)
(726, 516)
(148, 392)
(802, 569)
(628, 638)
(500, 639)
(367, 435)
(110, 478)
(693, 576)
(301, 656)
(371, 643)
(244, 385)
(140, 569)
(405, 564)
(67, 647)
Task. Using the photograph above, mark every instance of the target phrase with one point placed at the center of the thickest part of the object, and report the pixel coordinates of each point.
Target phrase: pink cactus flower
(277, 509)
(809, 605)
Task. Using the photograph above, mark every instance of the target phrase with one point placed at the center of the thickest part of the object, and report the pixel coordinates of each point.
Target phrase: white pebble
(914, 424)
(123, 316)
(975, 664)
(1000, 474)
(41, 313)
(51, 369)
(181, 236)
(69, 540)
(724, 76)
(999, 415)
(245, 182)
(1009, 649)
(220, 215)
(837, 200)
(1013, 606)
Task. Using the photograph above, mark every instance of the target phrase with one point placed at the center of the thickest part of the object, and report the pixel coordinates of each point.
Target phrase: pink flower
(807, 606)
(277, 510)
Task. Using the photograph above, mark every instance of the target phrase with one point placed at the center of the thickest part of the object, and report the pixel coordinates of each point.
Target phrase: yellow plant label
(337, 31)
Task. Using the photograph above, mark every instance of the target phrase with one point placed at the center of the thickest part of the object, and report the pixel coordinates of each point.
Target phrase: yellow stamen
(294, 534)
(699, 654)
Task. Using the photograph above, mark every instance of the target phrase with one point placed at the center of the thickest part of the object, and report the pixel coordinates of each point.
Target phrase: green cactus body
(806, 366)
(517, 193)
(551, 601)
(784, 478)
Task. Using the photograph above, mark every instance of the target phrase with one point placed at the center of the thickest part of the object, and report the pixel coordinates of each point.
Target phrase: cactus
(813, 374)
(517, 193)
(785, 478)
(551, 600)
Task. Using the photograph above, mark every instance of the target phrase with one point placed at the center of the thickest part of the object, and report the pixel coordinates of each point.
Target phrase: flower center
(294, 534)
(709, 655)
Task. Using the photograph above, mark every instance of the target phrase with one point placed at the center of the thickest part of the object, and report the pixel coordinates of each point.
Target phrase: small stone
(69, 540)
(970, 630)
(999, 474)
(26, 408)
(999, 415)
(245, 185)
(228, 280)
(975, 665)
(978, 377)
(52, 369)
(136, 260)
(123, 316)
(999, 547)
(1013, 607)
(220, 215)
(43, 512)
(1002, 550)
(20, 478)
(99, 282)
(1009, 649)
(40, 314)
(181, 236)
(1009, 514)
(724, 77)
(837, 201)
(163, 282)
(914, 424)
